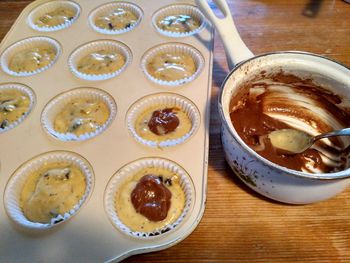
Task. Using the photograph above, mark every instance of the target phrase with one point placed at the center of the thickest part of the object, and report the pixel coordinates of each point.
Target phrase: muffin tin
(90, 236)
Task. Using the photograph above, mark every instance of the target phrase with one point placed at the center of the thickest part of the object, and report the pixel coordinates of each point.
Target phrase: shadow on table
(312, 8)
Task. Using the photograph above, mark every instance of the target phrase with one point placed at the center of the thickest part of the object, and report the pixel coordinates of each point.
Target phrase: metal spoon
(294, 141)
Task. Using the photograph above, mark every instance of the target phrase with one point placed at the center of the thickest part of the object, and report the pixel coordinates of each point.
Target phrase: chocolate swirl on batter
(163, 121)
(151, 198)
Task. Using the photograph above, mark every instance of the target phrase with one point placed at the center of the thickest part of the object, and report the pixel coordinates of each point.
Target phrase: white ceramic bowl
(265, 177)
(260, 174)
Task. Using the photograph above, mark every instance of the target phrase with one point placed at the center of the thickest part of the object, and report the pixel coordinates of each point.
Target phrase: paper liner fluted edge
(94, 46)
(136, 10)
(168, 100)
(18, 179)
(26, 90)
(26, 44)
(51, 6)
(57, 103)
(179, 9)
(176, 48)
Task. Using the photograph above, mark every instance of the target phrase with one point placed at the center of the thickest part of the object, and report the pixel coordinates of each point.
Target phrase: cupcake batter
(57, 17)
(171, 66)
(81, 116)
(161, 123)
(138, 222)
(54, 189)
(117, 19)
(101, 62)
(13, 105)
(32, 59)
(178, 23)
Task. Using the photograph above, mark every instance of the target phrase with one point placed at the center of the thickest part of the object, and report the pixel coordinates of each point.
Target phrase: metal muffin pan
(89, 236)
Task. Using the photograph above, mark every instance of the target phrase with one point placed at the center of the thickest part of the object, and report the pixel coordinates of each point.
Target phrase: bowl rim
(287, 171)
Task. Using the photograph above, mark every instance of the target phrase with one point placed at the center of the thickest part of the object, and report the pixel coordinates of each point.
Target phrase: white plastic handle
(236, 50)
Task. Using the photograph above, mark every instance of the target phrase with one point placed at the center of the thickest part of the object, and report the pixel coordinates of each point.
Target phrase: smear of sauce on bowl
(283, 101)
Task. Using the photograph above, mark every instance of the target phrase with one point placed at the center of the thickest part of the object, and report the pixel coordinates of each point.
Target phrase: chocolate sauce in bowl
(151, 198)
(283, 101)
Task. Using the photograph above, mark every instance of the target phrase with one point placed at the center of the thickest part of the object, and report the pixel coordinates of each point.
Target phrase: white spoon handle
(235, 48)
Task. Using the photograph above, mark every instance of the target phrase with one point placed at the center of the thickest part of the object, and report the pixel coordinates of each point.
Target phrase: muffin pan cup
(26, 91)
(173, 48)
(96, 46)
(109, 8)
(163, 100)
(89, 235)
(24, 44)
(172, 10)
(49, 7)
(15, 185)
(128, 171)
(56, 105)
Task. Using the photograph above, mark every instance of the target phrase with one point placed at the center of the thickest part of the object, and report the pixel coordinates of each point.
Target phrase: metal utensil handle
(342, 132)
(236, 50)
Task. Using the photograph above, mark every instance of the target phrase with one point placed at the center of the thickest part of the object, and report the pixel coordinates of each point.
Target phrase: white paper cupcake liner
(49, 7)
(177, 48)
(24, 44)
(108, 8)
(16, 183)
(189, 10)
(27, 91)
(95, 46)
(58, 103)
(168, 100)
(126, 173)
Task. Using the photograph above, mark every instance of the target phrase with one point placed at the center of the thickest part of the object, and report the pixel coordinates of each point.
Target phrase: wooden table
(240, 225)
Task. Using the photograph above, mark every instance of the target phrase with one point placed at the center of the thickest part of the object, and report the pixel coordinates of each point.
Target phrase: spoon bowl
(292, 141)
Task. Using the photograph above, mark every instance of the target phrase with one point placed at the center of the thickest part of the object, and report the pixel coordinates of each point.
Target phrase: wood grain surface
(239, 225)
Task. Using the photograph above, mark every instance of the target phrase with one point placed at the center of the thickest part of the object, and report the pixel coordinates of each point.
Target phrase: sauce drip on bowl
(285, 101)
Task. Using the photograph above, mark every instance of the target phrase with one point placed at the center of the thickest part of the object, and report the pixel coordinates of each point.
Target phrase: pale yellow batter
(13, 105)
(52, 190)
(142, 129)
(32, 59)
(57, 17)
(118, 19)
(138, 222)
(101, 62)
(81, 116)
(171, 66)
(178, 23)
